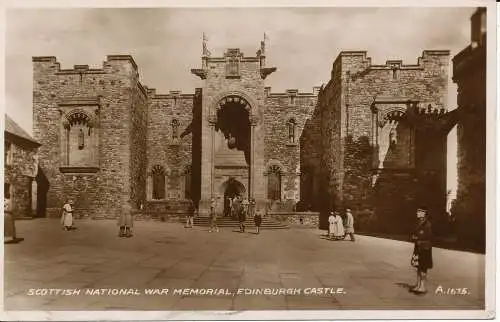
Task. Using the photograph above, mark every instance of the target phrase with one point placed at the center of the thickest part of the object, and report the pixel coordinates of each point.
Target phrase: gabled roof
(13, 128)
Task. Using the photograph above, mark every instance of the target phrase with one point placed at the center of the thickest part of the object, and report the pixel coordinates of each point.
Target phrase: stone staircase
(249, 223)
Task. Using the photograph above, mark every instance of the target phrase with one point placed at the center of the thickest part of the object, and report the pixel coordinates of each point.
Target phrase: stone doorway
(231, 188)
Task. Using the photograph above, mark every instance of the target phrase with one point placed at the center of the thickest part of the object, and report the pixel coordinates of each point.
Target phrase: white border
(492, 116)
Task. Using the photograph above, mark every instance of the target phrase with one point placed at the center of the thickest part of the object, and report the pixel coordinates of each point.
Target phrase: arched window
(78, 139)
(175, 129)
(158, 174)
(274, 183)
(291, 130)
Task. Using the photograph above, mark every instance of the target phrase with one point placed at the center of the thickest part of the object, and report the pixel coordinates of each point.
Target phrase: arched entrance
(231, 188)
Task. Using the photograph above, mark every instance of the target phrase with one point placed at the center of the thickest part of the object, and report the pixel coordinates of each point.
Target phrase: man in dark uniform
(422, 253)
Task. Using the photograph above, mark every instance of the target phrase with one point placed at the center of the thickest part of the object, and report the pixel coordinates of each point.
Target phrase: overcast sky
(166, 43)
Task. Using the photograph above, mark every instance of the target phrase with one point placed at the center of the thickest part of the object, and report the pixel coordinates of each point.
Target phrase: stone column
(253, 124)
(166, 196)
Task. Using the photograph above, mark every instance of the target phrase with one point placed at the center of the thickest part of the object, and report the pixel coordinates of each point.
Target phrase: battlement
(83, 69)
(292, 92)
(363, 64)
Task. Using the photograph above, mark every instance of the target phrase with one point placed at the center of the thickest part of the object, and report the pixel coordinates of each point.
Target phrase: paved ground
(373, 272)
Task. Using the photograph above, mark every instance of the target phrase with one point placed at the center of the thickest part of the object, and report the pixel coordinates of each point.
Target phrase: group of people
(238, 208)
(339, 228)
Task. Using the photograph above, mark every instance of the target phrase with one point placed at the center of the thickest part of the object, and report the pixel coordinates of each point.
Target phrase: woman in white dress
(331, 225)
(67, 215)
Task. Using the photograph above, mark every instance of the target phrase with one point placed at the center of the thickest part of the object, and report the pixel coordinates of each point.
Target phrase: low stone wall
(296, 219)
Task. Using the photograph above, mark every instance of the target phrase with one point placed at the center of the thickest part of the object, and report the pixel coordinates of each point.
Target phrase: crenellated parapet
(292, 93)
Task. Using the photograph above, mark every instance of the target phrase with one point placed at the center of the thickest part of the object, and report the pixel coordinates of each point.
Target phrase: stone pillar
(207, 164)
(253, 124)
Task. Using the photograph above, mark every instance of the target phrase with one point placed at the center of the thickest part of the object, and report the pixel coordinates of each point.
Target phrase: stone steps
(229, 222)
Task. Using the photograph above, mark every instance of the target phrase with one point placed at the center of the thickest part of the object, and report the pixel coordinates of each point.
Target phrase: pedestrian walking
(190, 215)
(331, 225)
(422, 252)
(242, 211)
(126, 220)
(213, 215)
(257, 219)
(67, 215)
(349, 225)
(339, 229)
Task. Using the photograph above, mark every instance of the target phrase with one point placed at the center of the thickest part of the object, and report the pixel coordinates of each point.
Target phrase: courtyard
(371, 273)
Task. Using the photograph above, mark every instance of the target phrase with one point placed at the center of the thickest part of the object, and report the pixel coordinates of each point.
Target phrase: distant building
(21, 167)
(469, 73)
(376, 142)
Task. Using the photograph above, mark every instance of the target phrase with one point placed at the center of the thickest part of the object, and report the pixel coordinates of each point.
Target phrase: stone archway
(230, 189)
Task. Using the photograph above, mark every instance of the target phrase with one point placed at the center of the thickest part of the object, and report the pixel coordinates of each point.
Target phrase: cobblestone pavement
(372, 272)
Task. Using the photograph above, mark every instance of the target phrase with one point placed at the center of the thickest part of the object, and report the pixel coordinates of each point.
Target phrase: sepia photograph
(258, 162)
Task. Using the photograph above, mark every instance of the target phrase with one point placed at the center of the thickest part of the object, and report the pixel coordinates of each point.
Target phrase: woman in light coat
(67, 215)
(126, 220)
(349, 225)
(339, 229)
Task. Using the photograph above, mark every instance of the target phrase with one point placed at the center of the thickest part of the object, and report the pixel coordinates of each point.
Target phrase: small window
(292, 99)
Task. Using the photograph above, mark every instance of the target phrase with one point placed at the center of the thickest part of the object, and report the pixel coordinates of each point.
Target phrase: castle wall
(469, 73)
(19, 174)
(174, 154)
(279, 149)
(351, 140)
(102, 187)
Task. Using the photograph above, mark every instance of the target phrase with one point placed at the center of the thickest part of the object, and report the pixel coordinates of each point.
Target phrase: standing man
(422, 252)
(349, 225)
(9, 226)
(213, 215)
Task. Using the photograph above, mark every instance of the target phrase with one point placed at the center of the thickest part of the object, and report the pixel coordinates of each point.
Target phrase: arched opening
(274, 183)
(233, 121)
(158, 174)
(231, 188)
(78, 139)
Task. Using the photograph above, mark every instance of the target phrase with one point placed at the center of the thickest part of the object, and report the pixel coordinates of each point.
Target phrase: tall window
(8, 153)
(274, 183)
(158, 182)
(291, 130)
(175, 129)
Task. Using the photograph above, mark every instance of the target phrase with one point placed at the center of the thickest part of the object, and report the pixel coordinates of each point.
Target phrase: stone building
(20, 170)
(469, 73)
(376, 141)
(107, 139)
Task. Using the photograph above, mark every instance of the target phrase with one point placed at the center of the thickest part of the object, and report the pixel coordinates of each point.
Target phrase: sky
(166, 42)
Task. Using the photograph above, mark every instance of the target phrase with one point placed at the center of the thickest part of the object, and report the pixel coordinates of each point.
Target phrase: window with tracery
(78, 140)
(274, 183)
(158, 174)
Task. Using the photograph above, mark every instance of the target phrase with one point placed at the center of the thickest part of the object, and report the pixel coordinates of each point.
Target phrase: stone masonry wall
(19, 174)
(174, 155)
(138, 146)
(101, 193)
(278, 148)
